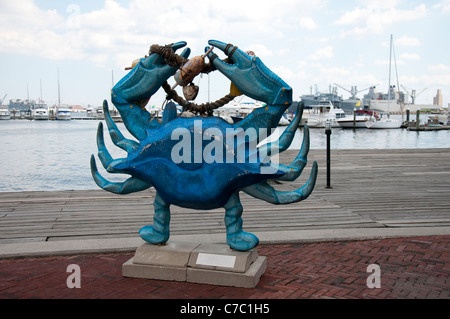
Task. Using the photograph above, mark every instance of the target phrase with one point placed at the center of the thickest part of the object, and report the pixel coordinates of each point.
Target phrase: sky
(308, 43)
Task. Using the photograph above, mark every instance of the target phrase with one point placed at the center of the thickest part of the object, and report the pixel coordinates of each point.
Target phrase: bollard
(328, 133)
(418, 119)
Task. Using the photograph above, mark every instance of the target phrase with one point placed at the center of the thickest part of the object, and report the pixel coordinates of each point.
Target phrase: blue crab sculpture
(202, 179)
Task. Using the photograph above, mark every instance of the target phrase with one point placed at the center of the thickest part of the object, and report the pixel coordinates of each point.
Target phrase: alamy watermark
(374, 279)
(74, 279)
(74, 19)
(234, 146)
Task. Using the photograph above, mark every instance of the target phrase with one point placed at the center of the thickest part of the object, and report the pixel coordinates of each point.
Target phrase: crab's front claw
(251, 76)
(146, 77)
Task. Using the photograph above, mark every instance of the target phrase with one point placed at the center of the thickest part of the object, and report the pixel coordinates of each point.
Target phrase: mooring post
(328, 133)
(354, 119)
(418, 119)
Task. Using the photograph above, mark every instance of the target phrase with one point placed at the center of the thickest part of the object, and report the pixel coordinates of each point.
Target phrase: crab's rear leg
(266, 192)
(131, 185)
(236, 237)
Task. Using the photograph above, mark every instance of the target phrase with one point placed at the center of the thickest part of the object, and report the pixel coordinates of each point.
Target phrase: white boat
(63, 114)
(237, 111)
(386, 121)
(5, 114)
(357, 120)
(40, 113)
(325, 111)
(283, 121)
(383, 123)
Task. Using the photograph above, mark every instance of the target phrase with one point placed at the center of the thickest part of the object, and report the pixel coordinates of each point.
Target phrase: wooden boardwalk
(370, 189)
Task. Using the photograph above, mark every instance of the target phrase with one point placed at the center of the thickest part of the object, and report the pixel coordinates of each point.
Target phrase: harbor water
(55, 155)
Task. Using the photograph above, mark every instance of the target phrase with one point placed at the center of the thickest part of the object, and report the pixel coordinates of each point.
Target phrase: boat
(63, 114)
(318, 115)
(309, 100)
(357, 120)
(4, 110)
(40, 112)
(386, 122)
(5, 114)
(347, 105)
(236, 112)
(283, 121)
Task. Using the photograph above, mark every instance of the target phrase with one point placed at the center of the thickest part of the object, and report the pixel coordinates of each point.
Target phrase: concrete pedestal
(214, 264)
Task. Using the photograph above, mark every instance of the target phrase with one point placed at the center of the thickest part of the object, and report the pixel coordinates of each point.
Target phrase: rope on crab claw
(173, 59)
(176, 61)
(202, 109)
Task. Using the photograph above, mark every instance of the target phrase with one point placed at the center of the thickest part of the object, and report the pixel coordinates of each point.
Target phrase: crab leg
(105, 157)
(266, 192)
(236, 237)
(116, 136)
(159, 232)
(294, 170)
(131, 185)
(285, 140)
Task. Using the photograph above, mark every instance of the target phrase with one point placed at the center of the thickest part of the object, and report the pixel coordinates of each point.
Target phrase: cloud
(407, 41)
(260, 50)
(439, 68)
(409, 56)
(437, 76)
(308, 23)
(386, 62)
(376, 16)
(356, 16)
(323, 53)
(443, 6)
(434, 80)
(116, 29)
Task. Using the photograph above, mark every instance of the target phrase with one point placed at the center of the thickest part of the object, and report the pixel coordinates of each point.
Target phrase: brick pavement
(417, 267)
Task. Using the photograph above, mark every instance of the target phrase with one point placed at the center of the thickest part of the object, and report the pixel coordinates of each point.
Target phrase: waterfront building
(437, 100)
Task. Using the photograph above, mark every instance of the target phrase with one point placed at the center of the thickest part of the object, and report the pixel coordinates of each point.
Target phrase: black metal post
(418, 119)
(328, 133)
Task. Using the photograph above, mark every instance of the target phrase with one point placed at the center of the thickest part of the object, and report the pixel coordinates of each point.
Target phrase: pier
(429, 128)
(375, 193)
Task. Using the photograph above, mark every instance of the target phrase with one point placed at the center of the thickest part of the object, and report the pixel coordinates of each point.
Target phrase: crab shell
(196, 183)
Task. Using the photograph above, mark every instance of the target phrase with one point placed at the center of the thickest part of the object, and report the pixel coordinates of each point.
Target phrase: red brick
(410, 268)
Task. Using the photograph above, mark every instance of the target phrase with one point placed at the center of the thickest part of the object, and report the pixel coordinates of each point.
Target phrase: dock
(375, 193)
(429, 128)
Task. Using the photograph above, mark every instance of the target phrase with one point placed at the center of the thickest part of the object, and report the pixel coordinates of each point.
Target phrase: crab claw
(251, 76)
(138, 86)
(146, 77)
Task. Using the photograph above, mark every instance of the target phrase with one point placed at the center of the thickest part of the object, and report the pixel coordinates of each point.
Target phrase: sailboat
(385, 122)
(62, 113)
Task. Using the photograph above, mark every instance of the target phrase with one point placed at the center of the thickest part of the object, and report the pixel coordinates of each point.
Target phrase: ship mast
(389, 89)
(59, 91)
(40, 86)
